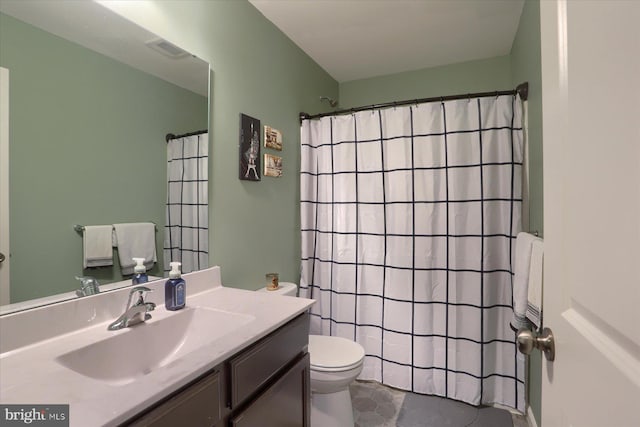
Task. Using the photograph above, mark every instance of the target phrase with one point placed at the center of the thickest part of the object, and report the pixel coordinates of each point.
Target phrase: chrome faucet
(136, 313)
(90, 286)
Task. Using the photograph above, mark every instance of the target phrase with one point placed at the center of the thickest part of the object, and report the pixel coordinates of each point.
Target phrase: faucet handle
(141, 290)
(89, 286)
(86, 280)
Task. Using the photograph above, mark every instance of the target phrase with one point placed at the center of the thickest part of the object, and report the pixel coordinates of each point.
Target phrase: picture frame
(272, 138)
(272, 165)
(249, 149)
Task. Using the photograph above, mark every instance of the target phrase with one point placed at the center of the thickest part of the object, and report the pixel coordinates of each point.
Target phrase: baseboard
(531, 420)
(528, 415)
(506, 408)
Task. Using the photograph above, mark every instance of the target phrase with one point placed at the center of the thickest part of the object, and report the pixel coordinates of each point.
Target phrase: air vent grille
(167, 49)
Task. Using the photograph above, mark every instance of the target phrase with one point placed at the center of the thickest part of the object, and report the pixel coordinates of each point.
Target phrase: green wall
(86, 147)
(258, 71)
(525, 66)
(467, 77)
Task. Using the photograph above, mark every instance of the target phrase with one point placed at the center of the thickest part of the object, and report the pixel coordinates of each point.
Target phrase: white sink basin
(143, 348)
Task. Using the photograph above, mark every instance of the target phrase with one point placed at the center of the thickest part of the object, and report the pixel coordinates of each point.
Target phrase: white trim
(505, 408)
(528, 415)
(531, 420)
(4, 186)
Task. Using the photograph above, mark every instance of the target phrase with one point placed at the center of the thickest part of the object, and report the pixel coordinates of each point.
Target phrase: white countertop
(29, 373)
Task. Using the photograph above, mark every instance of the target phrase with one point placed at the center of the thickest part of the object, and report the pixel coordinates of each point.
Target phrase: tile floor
(375, 405)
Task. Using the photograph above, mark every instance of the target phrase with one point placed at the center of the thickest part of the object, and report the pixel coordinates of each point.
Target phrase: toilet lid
(331, 353)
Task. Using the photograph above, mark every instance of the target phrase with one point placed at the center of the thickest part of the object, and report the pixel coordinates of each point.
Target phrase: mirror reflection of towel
(96, 244)
(137, 239)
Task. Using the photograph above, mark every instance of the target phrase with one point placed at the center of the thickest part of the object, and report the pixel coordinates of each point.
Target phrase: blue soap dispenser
(139, 272)
(175, 289)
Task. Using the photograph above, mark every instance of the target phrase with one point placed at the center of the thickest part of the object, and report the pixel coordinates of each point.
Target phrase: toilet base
(331, 409)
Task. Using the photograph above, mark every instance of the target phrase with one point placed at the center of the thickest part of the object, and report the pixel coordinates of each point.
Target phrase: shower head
(332, 101)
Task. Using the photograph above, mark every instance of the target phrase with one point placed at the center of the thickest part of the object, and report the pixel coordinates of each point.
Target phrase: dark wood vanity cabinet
(198, 405)
(264, 385)
(269, 381)
(285, 403)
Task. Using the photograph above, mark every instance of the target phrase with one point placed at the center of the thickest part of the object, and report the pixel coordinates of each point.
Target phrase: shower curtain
(409, 217)
(186, 236)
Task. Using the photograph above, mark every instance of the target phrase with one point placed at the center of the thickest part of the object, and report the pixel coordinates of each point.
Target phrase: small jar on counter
(272, 281)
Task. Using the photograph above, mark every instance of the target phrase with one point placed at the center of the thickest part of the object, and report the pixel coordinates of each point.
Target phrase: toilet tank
(285, 288)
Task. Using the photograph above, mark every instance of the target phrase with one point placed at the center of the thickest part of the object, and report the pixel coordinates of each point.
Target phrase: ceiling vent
(167, 49)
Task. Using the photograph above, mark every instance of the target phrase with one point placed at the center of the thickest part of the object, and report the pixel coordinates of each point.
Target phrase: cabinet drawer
(254, 367)
(285, 404)
(198, 406)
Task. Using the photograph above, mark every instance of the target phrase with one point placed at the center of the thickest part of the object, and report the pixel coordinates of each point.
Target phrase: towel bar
(80, 228)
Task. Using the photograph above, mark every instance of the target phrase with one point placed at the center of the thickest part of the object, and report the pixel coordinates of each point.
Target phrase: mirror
(91, 99)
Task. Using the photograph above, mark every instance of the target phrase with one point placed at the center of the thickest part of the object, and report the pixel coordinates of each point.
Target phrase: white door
(591, 131)
(4, 186)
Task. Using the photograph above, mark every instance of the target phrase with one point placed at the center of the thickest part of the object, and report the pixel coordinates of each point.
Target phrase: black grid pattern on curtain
(187, 217)
(321, 280)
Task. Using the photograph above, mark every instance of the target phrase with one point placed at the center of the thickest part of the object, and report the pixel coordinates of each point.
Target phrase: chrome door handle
(1, 257)
(528, 340)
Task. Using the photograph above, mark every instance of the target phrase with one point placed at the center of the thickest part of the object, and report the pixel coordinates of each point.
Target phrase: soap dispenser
(139, 272)
(175, 288)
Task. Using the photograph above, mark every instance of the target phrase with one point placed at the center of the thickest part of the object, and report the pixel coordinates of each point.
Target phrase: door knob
(1, 257)
(544, 341)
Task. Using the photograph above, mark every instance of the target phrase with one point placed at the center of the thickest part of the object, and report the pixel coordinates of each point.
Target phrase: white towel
(137, 240)
(534, 292)
(97, 249)
(524, 243)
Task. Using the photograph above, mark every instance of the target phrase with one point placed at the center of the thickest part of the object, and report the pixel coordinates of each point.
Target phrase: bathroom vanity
(231, 357)
(266, 384)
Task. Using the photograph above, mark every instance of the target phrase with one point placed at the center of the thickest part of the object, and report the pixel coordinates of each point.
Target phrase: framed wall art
(272, 165)
(249, 148)
(272, 138)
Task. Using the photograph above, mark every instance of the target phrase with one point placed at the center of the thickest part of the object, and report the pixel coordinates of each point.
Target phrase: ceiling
(350, 39)
(357, 39)
(95, 27)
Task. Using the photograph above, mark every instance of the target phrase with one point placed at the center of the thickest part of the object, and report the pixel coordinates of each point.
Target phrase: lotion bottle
(175, 289)
(139, 272)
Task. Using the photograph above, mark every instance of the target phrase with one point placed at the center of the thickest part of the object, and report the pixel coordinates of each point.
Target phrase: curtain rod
(171, 136)
(522, 89)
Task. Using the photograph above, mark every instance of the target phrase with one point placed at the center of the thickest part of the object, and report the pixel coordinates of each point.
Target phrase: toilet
(335, 363)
